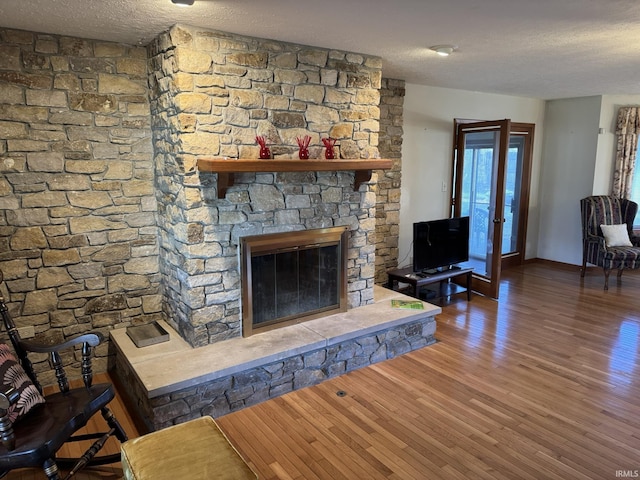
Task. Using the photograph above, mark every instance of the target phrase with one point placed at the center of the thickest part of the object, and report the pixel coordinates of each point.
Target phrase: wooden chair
(35, 438)
(600, 210)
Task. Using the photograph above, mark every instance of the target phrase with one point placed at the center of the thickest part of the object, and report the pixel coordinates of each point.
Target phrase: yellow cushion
(195, 450)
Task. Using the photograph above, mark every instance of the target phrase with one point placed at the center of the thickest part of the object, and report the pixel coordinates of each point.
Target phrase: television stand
(433, 271)
(419, 281)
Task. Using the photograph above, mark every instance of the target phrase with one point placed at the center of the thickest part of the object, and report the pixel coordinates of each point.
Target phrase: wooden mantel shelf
(225, 168)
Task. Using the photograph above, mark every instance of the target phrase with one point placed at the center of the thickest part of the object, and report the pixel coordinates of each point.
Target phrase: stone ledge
(170, 383)
(174, 365)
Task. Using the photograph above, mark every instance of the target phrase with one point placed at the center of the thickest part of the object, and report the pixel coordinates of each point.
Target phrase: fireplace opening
(291, 277)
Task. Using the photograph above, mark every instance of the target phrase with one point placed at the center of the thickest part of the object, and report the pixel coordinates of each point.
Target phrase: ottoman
(195, 450)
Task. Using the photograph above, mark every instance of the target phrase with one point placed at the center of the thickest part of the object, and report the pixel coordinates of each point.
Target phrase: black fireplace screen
(294, 282)
(293, 276)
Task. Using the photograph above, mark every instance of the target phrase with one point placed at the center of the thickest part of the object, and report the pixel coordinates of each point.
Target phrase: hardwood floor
(541, 385)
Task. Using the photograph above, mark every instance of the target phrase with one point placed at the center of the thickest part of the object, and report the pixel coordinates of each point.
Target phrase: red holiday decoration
(265, 152)
(329, 143)
(303, 143)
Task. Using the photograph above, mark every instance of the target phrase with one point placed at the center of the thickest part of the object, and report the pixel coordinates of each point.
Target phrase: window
(635, 190)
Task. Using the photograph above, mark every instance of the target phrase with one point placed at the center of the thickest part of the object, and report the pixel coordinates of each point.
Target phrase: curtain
(627, 129)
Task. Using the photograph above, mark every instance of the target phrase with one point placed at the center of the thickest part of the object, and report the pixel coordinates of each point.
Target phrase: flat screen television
(440, 244)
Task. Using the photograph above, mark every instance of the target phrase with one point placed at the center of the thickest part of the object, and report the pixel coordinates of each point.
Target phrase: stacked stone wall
(83, 188)
(212, 94)
(78, 235)
(389, 181)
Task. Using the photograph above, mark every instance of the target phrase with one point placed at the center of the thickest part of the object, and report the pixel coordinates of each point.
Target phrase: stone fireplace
(211, 94)
(292, 277)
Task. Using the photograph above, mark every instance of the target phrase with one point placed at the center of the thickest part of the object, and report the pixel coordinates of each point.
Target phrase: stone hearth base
(172, 382)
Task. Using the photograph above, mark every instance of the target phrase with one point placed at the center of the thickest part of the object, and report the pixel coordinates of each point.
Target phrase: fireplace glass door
(293, 276)
(294, 282)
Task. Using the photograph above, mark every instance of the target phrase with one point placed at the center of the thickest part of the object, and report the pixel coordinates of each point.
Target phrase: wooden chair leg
(112, 421)
(620, 272)
(89, 454)
(51, 470)
(606, 278)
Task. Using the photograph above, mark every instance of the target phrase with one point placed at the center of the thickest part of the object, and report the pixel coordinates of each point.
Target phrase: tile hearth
(172, 382)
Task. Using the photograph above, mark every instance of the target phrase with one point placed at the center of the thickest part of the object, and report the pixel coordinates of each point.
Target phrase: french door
(491, 185)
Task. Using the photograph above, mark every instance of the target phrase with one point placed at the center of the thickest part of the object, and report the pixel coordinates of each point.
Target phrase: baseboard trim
(545, 261)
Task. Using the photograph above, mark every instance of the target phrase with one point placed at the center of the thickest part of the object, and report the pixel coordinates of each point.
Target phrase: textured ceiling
(532, 48)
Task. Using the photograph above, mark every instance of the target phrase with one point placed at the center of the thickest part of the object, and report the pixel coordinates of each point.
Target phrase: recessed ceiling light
(444, 50)
(183, 3)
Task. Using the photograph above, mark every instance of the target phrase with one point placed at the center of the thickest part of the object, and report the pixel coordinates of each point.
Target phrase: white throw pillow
(616, 235)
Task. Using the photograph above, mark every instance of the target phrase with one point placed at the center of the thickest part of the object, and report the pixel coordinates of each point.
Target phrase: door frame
(527, 130)
(486, 285)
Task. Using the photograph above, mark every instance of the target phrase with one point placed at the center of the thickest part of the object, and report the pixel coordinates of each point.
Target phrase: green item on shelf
(410, 304)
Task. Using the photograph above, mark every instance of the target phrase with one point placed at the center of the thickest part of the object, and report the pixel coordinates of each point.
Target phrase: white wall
(568, 172)
(578, 161)
(427, 148)
(570, 160)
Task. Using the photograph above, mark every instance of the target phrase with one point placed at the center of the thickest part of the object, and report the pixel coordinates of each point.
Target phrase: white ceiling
(533, 48)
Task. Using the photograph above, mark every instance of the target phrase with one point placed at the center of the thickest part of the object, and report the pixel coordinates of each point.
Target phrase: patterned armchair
(606, 210)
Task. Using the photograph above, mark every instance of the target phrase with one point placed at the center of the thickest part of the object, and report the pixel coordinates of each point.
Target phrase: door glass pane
(513, 181)
(478, 173)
